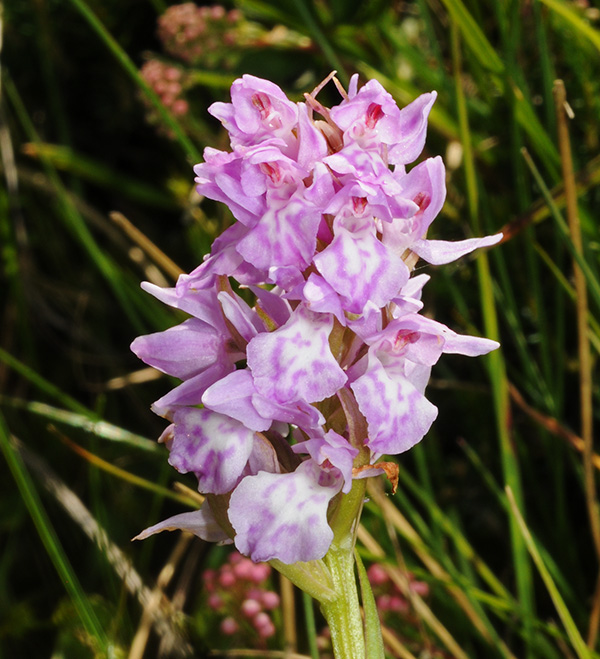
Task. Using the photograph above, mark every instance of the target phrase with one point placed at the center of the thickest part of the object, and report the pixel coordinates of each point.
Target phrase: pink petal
(183, 350)
(439, 252)
(199, 522)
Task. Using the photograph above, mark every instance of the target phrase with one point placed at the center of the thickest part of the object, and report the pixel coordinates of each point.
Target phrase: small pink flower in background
(166, 82)
(229, 626)
(196, 39)
(388, 596)
(238, 593)
(193, 36)
(190, 33)
(169, 83)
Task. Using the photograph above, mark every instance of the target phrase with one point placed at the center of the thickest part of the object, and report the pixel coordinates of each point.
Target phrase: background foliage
(497, 509)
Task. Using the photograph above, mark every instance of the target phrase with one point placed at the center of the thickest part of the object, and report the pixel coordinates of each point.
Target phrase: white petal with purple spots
(284, 516)
(361, 269)
(398, 415)
(211, 445)
(295, 362)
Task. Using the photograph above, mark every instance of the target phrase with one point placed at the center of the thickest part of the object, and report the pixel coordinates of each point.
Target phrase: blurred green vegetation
(496, 508)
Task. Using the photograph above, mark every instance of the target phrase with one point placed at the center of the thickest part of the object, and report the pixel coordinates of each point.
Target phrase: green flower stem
(313, 578)
(343, 613)
(347, 517)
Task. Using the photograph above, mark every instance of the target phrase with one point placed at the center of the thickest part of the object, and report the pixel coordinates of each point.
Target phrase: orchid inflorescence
(287, 402)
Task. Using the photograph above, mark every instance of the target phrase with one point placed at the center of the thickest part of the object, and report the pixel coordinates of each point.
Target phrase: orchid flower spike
(287, 402)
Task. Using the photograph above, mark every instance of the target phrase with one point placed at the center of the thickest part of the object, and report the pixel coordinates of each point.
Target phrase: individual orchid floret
(221, 177)
(284, 516)
(201, 350)
(332, 451)
(259, 111)
(213, 446)
(371, 118)
(286, 234)
(238, 396)
(365, 175)
(425, 186)
(295, 362)
(360, 268)
(397, 413)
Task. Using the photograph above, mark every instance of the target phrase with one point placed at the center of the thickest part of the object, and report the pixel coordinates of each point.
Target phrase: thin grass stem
(123, 474)
(585, 360)
(582, 651)
(145, 244)
(288, 606)
(591, 281)
(497, 368)
(125, 61)
(311, 626)
(52, 543)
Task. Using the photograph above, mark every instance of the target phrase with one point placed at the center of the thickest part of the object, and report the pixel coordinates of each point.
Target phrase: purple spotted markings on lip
(329, 227)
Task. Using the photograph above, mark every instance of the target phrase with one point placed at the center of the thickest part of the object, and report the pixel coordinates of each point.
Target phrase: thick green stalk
(343, 613)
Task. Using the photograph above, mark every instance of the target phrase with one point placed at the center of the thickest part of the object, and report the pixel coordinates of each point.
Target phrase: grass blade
(66, 159)
(582, 651)
(420, 606)
(311, 627)
(51, 542)
(373, 639)
(495, 361)
(123, 474)
(192, 152)
(317, 34)
(473, 36)
(44, 385)
(86, 422)
(590, 278)
(564, 11)
(71, 216)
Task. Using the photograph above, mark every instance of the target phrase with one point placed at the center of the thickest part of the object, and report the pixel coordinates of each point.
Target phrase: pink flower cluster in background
(238, 592)
(388, 596)
(287, 398)
(396, 614)
(189, 32)
(166, 80)
(193, 36)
